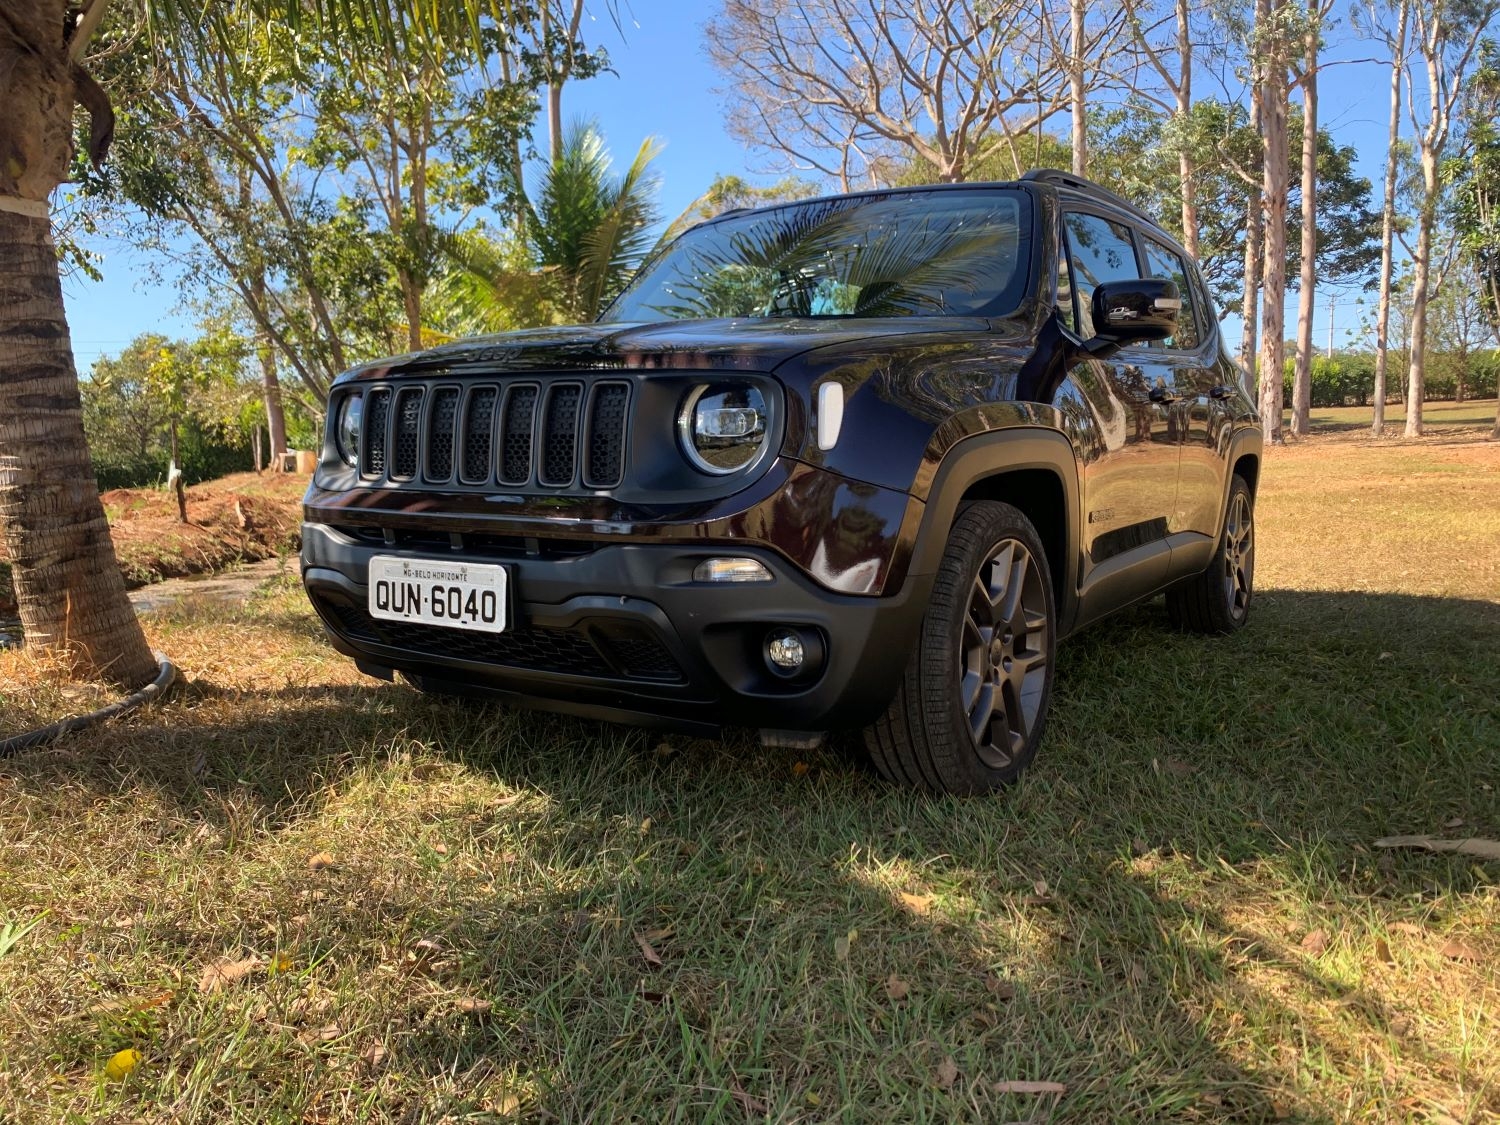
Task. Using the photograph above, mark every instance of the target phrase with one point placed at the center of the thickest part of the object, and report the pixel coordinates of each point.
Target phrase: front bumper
(622, 631)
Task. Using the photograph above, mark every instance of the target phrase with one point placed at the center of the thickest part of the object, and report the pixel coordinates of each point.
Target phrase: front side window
(1161, 262)
(934, 253)
(1098, 251)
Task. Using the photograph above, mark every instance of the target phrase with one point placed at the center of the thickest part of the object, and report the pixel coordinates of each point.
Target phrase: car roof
(1052, 177)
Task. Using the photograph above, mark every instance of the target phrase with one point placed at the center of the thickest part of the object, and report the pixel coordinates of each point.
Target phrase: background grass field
(1179, 914)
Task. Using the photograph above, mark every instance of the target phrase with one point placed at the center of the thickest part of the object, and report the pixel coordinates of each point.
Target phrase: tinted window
(1161, 262)
(1100, 251)
(940, 253)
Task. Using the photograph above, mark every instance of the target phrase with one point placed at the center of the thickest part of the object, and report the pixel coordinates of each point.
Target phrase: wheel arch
(1030, 468)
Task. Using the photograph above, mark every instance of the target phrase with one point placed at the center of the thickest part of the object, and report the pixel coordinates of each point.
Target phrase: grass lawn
(1457, 420)
(427, 913)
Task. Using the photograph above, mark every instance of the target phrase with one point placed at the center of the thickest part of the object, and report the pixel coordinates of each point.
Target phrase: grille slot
(560, 436)
(520, 418)
(547, 433)
(440, 433)
(408, 426)
(479, 428)
(606, 443)
(377, 412)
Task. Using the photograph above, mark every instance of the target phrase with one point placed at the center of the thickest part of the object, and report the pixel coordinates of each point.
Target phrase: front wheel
(1218, 599)
(970, 711)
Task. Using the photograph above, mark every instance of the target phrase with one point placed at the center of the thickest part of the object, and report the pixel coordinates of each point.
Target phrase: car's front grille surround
(555, 434)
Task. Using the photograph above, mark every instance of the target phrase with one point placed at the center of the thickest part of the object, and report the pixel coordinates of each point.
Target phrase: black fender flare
(995, 454)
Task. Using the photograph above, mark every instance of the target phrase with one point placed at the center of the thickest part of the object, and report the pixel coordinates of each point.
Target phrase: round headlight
(723, 428)
(351, 410)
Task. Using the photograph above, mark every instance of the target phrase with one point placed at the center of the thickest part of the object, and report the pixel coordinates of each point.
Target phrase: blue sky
(663, 86)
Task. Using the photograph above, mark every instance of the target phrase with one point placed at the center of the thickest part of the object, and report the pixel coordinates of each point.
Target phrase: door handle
(1161, 394)
(1221, 391)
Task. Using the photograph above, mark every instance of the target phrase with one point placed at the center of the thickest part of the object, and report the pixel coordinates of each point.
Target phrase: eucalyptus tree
(1446, 37)
(68, 582)
(1395, 40)
(1476, 190)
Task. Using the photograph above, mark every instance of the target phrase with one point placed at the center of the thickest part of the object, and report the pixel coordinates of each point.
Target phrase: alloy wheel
(1239, 555)
(1005, 647)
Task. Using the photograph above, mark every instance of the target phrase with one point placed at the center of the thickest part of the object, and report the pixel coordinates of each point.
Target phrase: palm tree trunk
(68, 583)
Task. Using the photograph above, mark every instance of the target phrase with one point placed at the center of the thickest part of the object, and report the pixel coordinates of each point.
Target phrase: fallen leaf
(1409, 929)
(947, 1073)
(748, 1102)
(375, 1054)
(1385, 656)
(1181, 769)
(325, 1034)
(813, 1098)
(661, 933)
(122, 1064)
(799, 769)
(123, 1005)
(1383, 951)
(1484, 849)
(320, 862)
(918, 904)
(1021, 1087)
(1139, 846)
(664, 750)
(1137, 973)
(841, 945)
(652, 957)
(441, 849)
(282, 963)
(1456, 822)
(227, 971)
(1040, 887)
(896, 988)
(1455, 950)
(1314, 942)
(472, 1005)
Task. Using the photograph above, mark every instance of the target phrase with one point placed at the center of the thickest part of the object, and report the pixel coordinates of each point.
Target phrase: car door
(1129, 479)
(1198, 409)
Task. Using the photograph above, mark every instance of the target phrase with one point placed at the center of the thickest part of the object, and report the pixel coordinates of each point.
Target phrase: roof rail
(1058, 178)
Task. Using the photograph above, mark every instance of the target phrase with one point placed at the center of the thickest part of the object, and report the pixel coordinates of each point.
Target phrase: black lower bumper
(623, 632)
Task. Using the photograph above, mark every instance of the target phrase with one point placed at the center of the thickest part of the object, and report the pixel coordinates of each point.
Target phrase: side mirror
(1127, 312)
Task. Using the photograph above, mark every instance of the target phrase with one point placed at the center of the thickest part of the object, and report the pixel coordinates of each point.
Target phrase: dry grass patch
(420, 912)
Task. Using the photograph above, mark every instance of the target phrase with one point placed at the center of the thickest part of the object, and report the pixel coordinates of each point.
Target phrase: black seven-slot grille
(554, 434)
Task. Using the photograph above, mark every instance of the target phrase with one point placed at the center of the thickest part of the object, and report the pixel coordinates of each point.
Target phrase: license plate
(455, 595)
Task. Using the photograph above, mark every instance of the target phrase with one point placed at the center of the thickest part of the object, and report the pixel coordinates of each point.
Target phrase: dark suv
(855, 462)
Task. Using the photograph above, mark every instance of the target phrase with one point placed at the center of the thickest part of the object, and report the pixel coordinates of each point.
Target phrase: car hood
(689, 345)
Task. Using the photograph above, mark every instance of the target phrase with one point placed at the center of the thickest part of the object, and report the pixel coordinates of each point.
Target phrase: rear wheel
(1218, 599)
(972, 704)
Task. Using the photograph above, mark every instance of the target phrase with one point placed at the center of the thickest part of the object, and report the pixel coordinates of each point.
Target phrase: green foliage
(1474, 178)
(583, 236)
(1348, 379)
(316, 167)
(730, 193)
(130, 403)
(1136, 152)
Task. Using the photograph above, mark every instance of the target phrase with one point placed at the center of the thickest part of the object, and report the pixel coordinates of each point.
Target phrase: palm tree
(68, 582)
(580, 240)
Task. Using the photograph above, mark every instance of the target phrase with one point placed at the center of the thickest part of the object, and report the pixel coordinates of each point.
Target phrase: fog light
(784, 649)
(731, 570)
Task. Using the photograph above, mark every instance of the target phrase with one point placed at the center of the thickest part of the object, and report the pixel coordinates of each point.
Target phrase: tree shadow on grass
(1117, 922)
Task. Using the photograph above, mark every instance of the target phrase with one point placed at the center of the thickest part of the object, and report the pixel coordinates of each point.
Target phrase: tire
(972, 705)
(1218, 600)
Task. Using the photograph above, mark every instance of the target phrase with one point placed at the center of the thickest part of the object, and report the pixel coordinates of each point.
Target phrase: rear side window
(1098, 251)
(1161, 262)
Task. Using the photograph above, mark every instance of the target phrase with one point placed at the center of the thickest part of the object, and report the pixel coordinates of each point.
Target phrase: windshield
(924, 253)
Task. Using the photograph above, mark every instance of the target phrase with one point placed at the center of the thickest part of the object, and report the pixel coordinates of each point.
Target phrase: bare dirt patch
(239, 518)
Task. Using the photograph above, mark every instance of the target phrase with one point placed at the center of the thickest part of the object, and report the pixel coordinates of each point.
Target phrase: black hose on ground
(164, 678)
